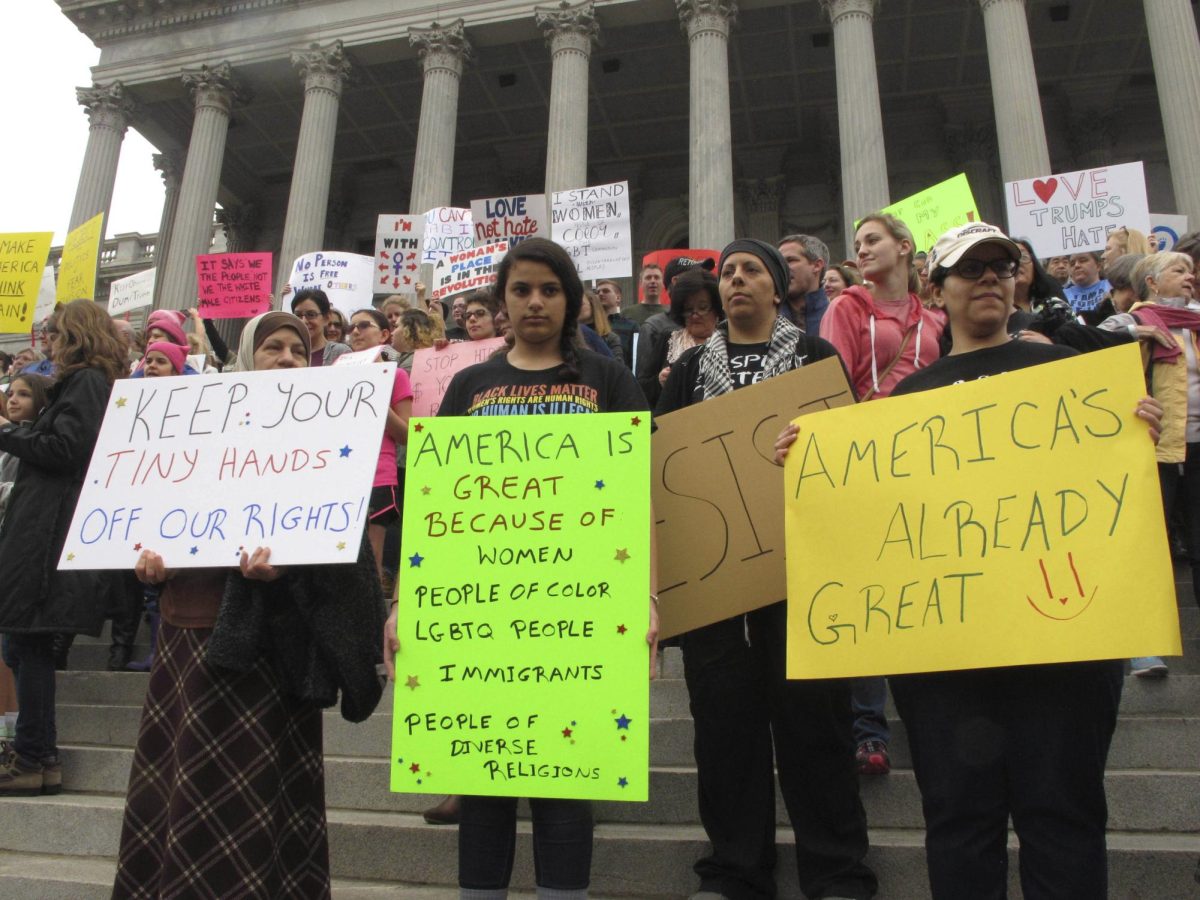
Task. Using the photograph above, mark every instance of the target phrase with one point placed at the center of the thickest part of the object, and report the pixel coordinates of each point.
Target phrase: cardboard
(233, 285)
(447, 230)
(593, 225)
(80, 257)
(432, 370)
(467, 271)
(1167, 230)
(22, 264)
(398, 243)
(346, 278)
(510, 219)
(935, 210)
(134, 292)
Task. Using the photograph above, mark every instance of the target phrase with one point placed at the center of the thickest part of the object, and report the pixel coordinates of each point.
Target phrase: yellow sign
(22, 259)
(1005, 521)
(77, 271)
(930, 212)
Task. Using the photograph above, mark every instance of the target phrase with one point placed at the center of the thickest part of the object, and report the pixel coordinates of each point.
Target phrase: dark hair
(1044, 285)
(316, 295)
(558, 261)
(376, 316)
(39, 387)
(694, 281)
(87, 339)
(486, 299)
(1190, 244)
(1119, 272)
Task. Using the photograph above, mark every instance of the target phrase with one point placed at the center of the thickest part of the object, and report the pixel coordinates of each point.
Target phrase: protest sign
(523, 667)
(346, 278)
(432, 370)
(398, 243)
(592, 224)
(1071, 213)
(716, 496)
(1166, 230)
(45, 297)
(936, 209)
(469, 270)
(511, 219)
(133, 292)
(80, 256)
(233, 285)
(359, 357)
(22, 264)
(447, 230)
(199, 467)
(1000, 522)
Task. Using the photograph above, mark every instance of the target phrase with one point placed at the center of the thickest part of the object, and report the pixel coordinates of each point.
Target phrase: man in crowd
(1059, 268)
(609, 293)
(807, 258)
(660, 325)
(651, 280)
(1086, 288)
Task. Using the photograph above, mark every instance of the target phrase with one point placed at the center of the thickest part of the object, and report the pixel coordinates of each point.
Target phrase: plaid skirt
(227, 794)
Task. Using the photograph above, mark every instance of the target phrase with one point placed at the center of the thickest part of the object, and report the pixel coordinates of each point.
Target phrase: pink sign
(233, 285)
(432, 370)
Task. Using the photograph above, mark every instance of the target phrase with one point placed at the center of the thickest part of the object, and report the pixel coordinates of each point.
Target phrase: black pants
(746, 712)
(562, 842)
(1183, 488)
(1025, 741)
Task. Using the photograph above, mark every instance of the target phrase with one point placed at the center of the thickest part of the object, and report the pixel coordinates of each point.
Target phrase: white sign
(346, 278)
(46, 298)
(592, 223)
(467, 271)
(511, 219)
(447, 230)
(1065, 214)
(129, 293)
(199, 467)
(398, 243)
(1166, 230)
(360, 357)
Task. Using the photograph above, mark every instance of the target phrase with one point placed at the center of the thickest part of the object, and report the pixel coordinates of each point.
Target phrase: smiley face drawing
(1062, 608)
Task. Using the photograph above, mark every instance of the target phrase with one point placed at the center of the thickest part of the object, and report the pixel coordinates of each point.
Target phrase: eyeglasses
(309, 314)
(973, 269)
(698, 311)
(361, 326)
(477, 314)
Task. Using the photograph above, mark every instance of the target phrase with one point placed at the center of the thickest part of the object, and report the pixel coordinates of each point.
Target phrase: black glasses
(698, 311)
(309, 314)
(972, 269)
(361, 326)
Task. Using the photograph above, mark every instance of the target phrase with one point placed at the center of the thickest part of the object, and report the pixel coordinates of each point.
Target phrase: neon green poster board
(936, 209)
(523, 585)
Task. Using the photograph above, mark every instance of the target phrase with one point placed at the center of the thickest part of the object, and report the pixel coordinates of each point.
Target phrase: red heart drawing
(1045, 189)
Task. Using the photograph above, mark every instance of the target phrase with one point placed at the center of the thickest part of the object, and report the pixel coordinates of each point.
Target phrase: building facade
(306, 119)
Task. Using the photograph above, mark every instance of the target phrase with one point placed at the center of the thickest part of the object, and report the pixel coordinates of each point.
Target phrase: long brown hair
(900, 232)
(88, 340)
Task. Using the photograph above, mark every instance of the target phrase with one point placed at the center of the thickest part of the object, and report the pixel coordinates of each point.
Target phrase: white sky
(43, 62)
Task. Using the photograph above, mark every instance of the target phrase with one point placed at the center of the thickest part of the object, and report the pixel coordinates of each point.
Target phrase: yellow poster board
(81, 253)
(523, 590)
(1007, 521)
(936, 209)
(22, 261)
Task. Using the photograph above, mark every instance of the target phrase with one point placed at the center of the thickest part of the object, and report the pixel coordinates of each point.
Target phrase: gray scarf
(781, 357)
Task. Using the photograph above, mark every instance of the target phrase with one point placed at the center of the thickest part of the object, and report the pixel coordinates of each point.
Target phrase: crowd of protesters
(228, 721)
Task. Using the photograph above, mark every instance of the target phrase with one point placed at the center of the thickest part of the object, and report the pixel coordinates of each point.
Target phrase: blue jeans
(562, 842)
(31, 658)
(867, 699)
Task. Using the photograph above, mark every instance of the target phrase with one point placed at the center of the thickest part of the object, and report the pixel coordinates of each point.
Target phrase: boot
(445, 813)
(145, 664)
(124, 633)
(62, 647)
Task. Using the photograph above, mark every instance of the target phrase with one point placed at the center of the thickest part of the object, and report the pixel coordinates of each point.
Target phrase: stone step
(629, 860)
(1139, 799)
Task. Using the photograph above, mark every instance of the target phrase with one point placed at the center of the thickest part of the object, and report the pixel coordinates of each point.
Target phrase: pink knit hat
(168, 326)
(175, 353)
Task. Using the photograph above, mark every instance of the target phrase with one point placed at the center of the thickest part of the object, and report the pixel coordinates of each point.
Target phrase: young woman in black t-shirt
(543, 372)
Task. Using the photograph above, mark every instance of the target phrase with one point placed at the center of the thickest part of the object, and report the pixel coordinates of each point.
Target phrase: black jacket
(34, 596)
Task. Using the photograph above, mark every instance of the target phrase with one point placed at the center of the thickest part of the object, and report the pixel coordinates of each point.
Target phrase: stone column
(240, 225)
(1175, 49)
(860, 120)
(215, 90)
(1020, 130)
(443, 52)
(762, 198)
(570, 31)
(324, 71)
(710, 164)
(170, 166)
(109, 111)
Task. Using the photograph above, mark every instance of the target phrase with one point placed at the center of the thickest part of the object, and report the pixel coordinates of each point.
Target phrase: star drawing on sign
(137, 546)
(622, 781)
(599, 485)
(121, 401)
(345, 451)
(194, 551)
(418, 427)
(622, 555)
(566, 732)
(623, 722)
(341, 545)
(412, 683)
(70, 556)
(415, 560)
(621, 629)
(415, 768)
(635, 421)
(425, 490)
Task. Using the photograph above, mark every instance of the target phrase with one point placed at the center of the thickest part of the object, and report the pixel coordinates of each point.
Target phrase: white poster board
(398, 242)
(447, 230)
(467, 271)
(46, 298)
(199, 467)
(129, 293)
(512, 219)
(593, 225)
(346, 278)
(1166, 230)
(1075, 211)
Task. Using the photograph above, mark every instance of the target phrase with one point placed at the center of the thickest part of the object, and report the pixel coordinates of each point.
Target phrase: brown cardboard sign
(718, 496)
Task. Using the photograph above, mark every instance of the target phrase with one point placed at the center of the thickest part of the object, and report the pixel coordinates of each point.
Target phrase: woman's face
(535, 302)
(365, 332)
(585, 311)
(283, 349)
(978, 306)
(19, 404)
(501, 323)
(879, 254)
(834, 283)
(1024, 269)
(23, 359)
(1113, 248)
(157, 365)
(479, 322)
(747, 289)
(699, 316)
(314, 321)
(154, 335)
(1176, 280)
(335, 328)
(393, 313)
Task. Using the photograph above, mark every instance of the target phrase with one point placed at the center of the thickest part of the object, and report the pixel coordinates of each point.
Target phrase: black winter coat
(34, 596)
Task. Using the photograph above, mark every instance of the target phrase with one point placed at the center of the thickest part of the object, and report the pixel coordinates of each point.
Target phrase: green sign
(523, 583)
(937, 209)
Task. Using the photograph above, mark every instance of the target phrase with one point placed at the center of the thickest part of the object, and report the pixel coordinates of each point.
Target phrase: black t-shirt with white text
(746, 363)
(984, 363)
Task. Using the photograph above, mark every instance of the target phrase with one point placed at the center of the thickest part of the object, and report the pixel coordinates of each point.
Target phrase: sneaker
(1148, 667)
(871, 758)
(19, 778)
(51, 775)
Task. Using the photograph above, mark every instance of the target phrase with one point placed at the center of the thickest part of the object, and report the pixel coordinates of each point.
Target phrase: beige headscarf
(260, 328)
